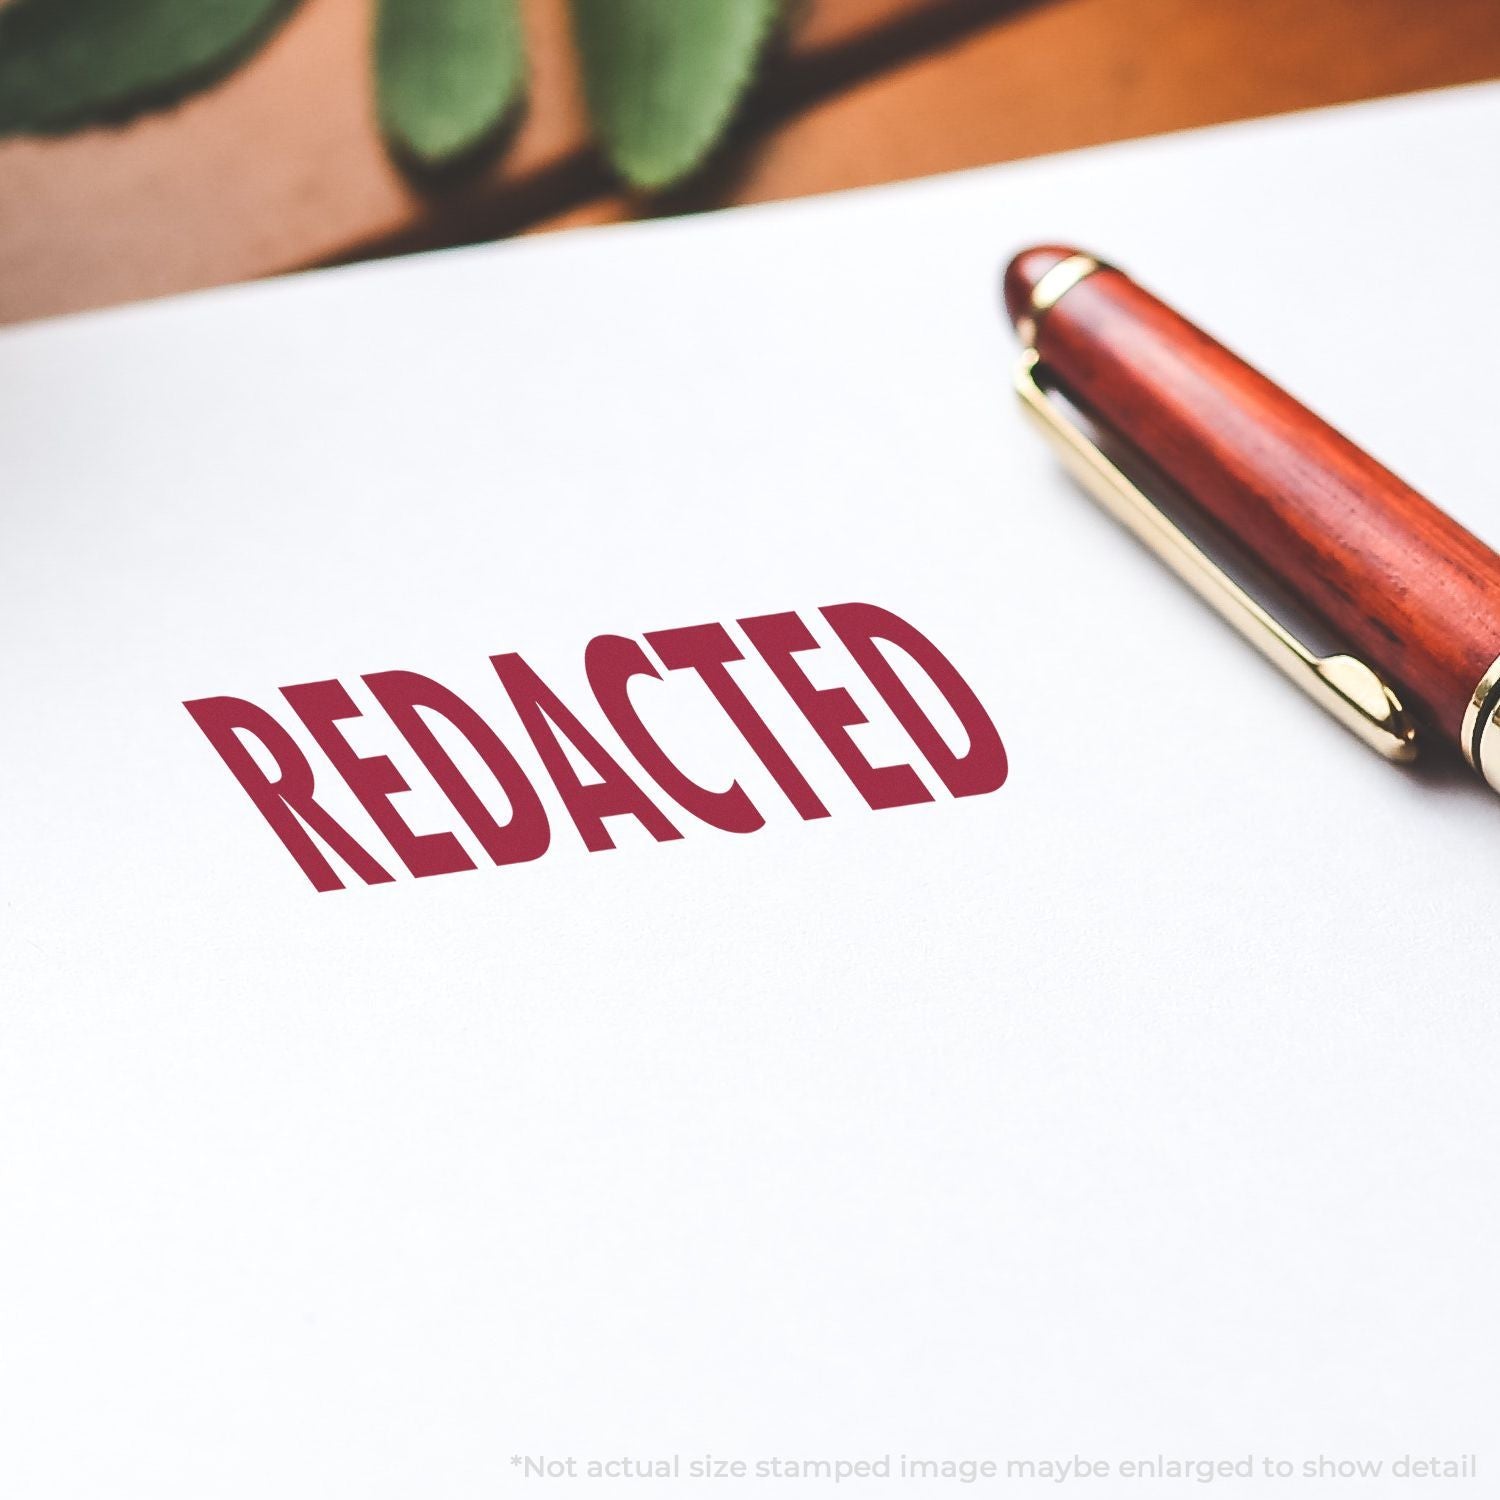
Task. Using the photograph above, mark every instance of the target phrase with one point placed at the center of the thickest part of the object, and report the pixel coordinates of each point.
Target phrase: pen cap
(1410, 589)
(1023, 275)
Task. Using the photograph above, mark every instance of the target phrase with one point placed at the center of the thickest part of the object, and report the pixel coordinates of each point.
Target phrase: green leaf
(662, 77)
(447, 73)
(65, 63)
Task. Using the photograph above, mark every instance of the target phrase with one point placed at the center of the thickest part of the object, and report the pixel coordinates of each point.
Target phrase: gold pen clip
(1349, 689)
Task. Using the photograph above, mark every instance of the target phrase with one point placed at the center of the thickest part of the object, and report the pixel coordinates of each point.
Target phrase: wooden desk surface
(279, 167)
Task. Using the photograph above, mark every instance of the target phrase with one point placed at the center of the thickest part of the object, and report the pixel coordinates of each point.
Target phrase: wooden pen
(1414, 595)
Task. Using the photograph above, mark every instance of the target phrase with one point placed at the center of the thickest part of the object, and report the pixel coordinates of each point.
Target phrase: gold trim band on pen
(1050, 289)
(1480, 738)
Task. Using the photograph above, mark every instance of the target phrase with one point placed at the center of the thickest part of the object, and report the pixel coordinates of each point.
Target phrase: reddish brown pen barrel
(1405, 586)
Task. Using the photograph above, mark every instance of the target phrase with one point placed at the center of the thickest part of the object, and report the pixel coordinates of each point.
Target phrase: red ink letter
(830, 711)
(706, 649)
(373, 779)
(588, 805)
(983, 768)
(289, 798)
(611, 661)
(526, 835)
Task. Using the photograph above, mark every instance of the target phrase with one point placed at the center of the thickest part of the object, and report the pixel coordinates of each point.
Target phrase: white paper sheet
(1145, 1106)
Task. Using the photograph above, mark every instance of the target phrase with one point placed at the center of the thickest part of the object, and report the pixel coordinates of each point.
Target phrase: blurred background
(156, 146)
